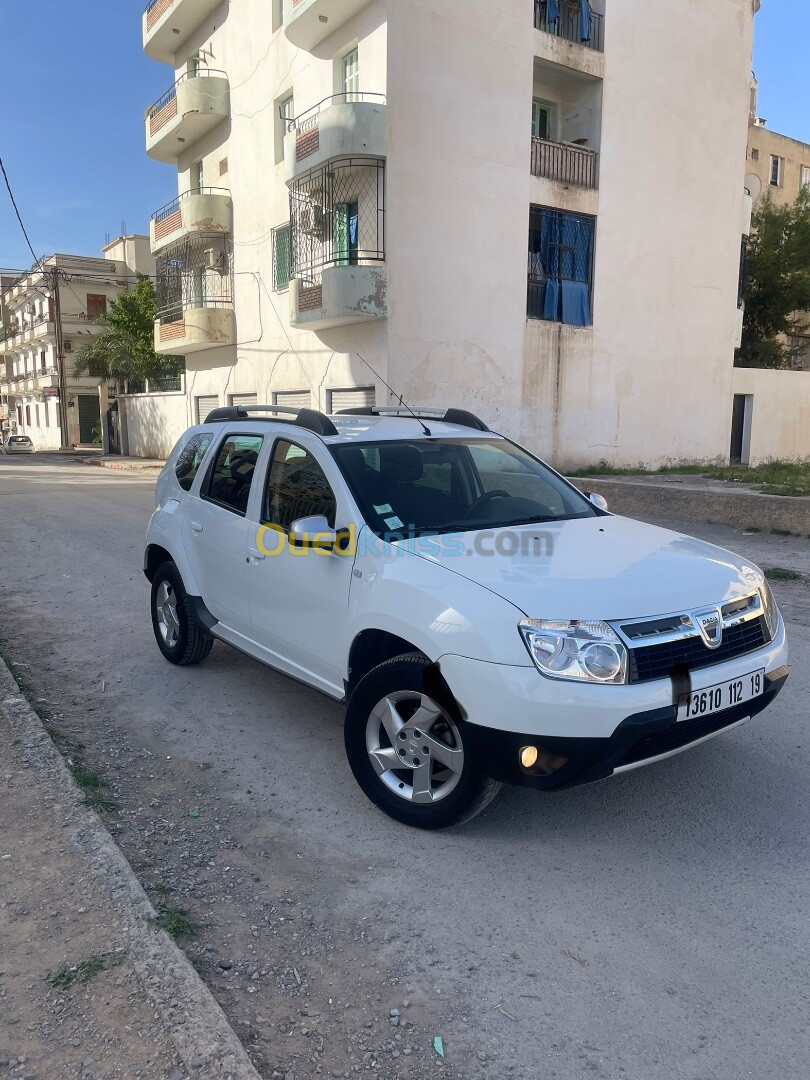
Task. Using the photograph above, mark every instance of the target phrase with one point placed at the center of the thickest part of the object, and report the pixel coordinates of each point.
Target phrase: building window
(350, 75)
(285, 112)
(42, 360)
(281, 257)
(196, 177)
(223, 166)
(96, 306)
(777, 164)
(741, 281)
(754, 154)
(560, 266)
(541, 119)
(805, 177)
(193, 66)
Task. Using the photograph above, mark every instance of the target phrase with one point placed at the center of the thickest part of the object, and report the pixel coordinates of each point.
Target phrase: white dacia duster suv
(481, 620)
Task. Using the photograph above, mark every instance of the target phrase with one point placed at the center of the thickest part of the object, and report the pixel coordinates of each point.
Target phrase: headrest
(353, 460)
(400, 464)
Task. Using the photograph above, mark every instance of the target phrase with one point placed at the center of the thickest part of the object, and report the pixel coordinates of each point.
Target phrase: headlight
(770, 610)
(581, 651)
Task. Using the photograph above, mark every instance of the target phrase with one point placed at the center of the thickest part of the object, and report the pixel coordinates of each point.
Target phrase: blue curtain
(565, 250)
(552, 11)
(353, 229)
(584, 20)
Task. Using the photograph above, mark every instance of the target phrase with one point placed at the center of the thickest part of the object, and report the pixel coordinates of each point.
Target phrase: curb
(124, 466)
(205, 1041)
(739, 509)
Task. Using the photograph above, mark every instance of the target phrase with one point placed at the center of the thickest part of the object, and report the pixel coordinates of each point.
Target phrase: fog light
(528, 756)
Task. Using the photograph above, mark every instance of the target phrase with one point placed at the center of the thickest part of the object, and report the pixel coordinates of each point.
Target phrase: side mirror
(599, 501)
(313, 532)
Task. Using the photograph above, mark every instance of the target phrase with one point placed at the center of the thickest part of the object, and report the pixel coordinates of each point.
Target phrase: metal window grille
(351, 74)
(281, 257)
(192, 273)
(561, 248)
(166, 384)
(337, 217)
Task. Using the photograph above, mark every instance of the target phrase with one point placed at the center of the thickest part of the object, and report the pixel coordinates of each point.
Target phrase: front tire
(407, 750)
(181, 638)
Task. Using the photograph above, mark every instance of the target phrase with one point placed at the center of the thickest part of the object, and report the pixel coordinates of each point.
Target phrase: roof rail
(447, 416)
(310, 419)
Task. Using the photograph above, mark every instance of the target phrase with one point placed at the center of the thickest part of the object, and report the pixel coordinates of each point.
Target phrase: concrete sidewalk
(88, 987)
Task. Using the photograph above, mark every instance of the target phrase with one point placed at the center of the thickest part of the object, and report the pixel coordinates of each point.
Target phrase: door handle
(196, 527)
(254, 553)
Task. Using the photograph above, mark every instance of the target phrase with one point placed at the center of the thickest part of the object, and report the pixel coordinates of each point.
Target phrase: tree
(126, 350)
(777, 283)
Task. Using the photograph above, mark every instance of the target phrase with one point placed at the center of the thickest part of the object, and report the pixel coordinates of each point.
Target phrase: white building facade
(531, 210)
(32, 314)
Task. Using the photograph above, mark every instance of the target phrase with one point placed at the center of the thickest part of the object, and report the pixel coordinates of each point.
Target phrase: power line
(16, 211)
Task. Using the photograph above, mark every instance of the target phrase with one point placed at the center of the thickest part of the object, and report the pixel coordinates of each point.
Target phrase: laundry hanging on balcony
(584, 20)
(552, 11)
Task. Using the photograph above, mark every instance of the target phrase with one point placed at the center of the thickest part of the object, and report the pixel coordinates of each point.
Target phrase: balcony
(194, 296)
(167, 25)
(344, 296)
(192, 108)
(344, 125)
(206, 210)
(192, 329)
(565, 163)
(337, 245)
(571, 20)
(309, 22)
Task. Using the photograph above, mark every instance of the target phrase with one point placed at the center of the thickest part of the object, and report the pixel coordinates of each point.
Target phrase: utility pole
(60, 362)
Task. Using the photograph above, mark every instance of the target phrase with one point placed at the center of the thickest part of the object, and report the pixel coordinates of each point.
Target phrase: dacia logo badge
(710, 625)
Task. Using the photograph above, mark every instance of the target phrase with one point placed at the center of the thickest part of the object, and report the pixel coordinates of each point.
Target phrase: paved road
(655, 925)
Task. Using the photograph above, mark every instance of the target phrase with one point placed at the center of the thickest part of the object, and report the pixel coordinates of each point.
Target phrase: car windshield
(454, 485)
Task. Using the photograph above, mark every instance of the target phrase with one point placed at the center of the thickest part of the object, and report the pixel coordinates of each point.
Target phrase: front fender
(435, 609)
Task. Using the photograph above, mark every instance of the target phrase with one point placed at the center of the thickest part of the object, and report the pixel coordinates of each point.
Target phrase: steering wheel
(482, 500)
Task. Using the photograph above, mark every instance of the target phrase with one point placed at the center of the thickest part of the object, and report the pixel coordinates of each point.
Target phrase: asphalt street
(655, 925)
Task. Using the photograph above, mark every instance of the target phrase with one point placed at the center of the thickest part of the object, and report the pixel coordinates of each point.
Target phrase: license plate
(722, 696)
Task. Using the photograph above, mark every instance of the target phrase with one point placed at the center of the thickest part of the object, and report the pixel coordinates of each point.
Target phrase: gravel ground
(652, 926)
(55, 926)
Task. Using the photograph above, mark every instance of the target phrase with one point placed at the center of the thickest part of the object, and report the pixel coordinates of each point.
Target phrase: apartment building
(780, 164)
(62, 298)
(533, 210)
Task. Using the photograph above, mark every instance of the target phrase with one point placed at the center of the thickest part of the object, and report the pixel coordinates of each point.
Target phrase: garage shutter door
(242, 399)
(292, 399)
(205, 405)
(356, 398)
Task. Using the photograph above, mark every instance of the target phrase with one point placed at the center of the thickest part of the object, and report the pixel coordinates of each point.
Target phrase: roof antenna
(393, 393)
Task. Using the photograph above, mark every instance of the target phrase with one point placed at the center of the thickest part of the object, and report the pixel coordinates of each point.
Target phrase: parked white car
(481, 620)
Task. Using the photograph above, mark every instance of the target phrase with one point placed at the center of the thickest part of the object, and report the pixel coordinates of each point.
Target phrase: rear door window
(190, 459)
(229, 482)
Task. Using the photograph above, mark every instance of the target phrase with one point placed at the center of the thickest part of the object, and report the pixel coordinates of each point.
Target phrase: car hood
(596, 568)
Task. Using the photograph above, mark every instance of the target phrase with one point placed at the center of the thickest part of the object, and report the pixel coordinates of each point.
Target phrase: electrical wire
(17, 212)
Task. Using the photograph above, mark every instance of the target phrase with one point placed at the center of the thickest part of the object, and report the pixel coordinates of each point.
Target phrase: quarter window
(232, 473)
(296, 488)
(190, 460)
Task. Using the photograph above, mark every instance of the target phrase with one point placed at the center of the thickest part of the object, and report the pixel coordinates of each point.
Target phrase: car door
(299, 597)
(215, 528)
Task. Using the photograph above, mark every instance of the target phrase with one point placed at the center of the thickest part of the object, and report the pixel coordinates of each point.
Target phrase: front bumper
(639, 740)
(596, 729)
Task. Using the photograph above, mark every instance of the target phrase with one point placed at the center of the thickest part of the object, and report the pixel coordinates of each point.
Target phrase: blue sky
(76, 84)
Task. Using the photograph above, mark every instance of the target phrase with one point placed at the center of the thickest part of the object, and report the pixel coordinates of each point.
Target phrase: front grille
(657, 661)
(683, 733)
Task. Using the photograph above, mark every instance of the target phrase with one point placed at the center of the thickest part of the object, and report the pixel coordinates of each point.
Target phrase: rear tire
(407, 750)
(180, 636)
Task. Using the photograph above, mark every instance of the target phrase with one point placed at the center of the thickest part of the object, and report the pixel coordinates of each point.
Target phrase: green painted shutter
(341, 234)
(281, 258)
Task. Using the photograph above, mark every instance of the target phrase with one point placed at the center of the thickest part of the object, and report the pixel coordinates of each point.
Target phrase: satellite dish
(753, 185)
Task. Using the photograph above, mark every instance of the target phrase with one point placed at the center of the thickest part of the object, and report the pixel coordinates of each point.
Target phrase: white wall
(780, 418)
(152, 423)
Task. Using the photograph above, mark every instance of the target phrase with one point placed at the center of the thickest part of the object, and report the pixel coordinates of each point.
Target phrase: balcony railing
(565, 163)
(165, 108)
(172, 207)
(305, 121)
(572, 20)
